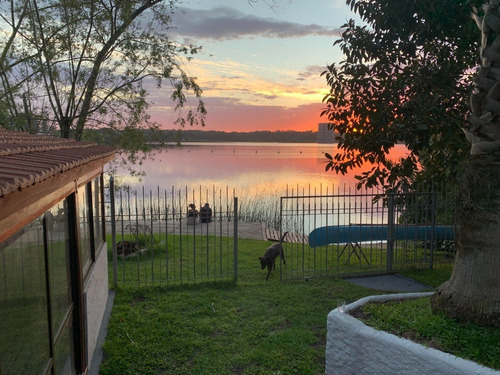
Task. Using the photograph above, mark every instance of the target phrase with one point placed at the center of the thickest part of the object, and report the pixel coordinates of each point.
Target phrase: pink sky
(232, 116)
(260, 68)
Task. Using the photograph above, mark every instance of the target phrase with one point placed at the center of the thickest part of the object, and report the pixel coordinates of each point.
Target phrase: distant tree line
(158, 137)
(219, 136)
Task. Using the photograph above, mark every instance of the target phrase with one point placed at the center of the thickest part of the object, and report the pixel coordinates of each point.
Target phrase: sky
(260, 67)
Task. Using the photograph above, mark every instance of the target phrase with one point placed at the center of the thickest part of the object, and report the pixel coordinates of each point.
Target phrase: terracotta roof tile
(26, 159)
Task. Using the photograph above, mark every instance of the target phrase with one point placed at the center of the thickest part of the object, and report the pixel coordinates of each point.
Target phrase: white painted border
(354, 348)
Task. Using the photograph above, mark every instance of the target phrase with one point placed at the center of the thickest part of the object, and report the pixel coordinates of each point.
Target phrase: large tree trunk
(473, 291)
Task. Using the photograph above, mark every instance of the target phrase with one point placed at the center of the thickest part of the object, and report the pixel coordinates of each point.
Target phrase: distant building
(326, 135)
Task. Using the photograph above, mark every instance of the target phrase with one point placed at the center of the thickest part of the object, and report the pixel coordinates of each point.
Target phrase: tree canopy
(405, 78)
(84, 64)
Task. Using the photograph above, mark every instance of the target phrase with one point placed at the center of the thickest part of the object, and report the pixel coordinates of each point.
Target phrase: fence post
(235, 239)
(390, 232)
(433, 223)
(281, 232)
(113, 230)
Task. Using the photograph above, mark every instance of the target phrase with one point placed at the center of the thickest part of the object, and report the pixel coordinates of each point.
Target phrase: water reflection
(250, 168)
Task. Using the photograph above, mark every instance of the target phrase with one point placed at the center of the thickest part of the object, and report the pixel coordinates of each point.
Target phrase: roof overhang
(38, 171)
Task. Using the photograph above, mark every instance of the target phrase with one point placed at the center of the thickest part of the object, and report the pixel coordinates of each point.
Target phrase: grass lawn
(252, 327)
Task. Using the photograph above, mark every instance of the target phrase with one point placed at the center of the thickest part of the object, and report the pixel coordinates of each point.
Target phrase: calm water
(257, 173)
(251, 169)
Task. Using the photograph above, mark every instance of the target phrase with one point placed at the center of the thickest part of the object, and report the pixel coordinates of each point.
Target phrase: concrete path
(392, 282)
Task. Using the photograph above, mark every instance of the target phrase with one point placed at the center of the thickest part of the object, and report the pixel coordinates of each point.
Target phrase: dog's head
(264, 261)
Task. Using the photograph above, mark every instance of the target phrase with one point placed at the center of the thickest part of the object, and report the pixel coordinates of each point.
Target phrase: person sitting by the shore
(192, 214)
(206, 214)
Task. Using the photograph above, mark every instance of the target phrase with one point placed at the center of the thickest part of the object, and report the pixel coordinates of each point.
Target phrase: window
(97, 212)
(35, 284)
(85, 237)
(59, 269)
(24, 342)
(42, 331)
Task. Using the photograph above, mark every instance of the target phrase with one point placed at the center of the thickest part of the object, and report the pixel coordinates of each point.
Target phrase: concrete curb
(354, 348)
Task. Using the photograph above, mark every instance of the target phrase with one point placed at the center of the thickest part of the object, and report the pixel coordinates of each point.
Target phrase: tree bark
(473, 291)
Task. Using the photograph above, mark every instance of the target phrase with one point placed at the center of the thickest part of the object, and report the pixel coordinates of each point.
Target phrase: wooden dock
(274, 235)
(249, 230)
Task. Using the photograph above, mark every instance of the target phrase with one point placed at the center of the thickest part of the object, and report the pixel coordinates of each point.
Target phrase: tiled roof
(27, 159)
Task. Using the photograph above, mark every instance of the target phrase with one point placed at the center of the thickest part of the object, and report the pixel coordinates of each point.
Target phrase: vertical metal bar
(235, 239)
(326, 224)
(219, 219)
(122, 231)
(151, 237)
(181, 213)
(433, 231)
(166, 236)
(281, 232)
(113, 230)
(390, 232)
(194, 244)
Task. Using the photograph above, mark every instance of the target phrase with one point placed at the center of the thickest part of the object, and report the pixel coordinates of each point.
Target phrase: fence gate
(349, 234)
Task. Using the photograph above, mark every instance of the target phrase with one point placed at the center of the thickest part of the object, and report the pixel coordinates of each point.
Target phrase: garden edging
(354, 348)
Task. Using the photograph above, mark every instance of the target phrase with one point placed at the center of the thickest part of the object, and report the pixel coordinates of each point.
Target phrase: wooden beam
(19, 208)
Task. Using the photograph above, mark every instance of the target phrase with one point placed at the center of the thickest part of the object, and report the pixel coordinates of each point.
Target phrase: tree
(473, 291)
(405, 78)
(87, 64)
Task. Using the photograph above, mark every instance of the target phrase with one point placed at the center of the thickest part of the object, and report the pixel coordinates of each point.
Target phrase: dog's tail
(283, 237)
(282, 251)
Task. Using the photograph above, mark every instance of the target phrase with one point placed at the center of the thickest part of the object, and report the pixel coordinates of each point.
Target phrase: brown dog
(272, 252)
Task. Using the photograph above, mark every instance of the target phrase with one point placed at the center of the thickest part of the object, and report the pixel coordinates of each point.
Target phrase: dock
(248, 230)
(275, 235)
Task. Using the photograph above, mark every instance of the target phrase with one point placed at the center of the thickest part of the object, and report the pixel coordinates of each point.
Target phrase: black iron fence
(156, 242)
(353, 234)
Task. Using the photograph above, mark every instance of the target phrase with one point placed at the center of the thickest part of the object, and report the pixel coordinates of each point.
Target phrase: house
(53, 258)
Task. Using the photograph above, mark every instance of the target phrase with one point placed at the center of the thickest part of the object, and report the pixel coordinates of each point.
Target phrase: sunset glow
(260, 67)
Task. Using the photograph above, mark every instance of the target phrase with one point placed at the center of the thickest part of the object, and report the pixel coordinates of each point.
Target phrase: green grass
(180, 259)
(251, 327)
(260, 328)
(435, 277)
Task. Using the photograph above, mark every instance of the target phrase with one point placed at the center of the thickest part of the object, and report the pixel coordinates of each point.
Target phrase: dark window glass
(83, 210)
(63, 351)
(58, 257)
(96, 201)
(24, 338)
(60, 287)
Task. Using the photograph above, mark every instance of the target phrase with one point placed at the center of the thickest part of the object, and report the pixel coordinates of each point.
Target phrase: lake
(251, 169)
(257, 173)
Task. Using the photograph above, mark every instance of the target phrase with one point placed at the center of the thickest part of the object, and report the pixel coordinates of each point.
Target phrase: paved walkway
(391, 282)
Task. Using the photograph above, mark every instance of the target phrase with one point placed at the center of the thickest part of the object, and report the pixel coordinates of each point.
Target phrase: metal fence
(154, 242)
(328, 234)
(353, 234)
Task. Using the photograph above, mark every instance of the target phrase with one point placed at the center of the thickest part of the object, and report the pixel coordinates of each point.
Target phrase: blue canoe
(363, 233)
